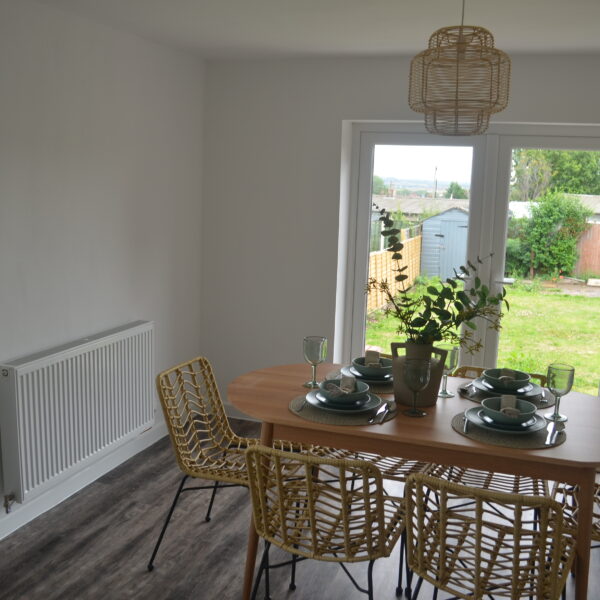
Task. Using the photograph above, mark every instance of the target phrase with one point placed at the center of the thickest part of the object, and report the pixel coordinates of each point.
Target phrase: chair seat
(341, 537)
(392, 468)
(490, 480)
(324, 508)
(227, 464)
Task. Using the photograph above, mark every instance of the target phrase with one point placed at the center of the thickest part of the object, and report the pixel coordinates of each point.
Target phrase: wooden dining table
(265, 394)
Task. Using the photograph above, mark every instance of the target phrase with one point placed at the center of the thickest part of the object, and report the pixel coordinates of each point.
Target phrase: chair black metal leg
(401, 565)
(267, 582)
(261, 568)
(212, 499)
(370, 579)
(409, 575)
(293, 576)
(162, 533)
(415, 594)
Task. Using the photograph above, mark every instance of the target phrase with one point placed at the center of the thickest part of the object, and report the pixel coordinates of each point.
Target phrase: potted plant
(441, 312)
(445, 311)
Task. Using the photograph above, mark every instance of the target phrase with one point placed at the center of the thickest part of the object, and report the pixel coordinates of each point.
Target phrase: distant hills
(421, 184)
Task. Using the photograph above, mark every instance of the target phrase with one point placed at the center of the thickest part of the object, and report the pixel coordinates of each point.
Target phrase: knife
(552, 433)
(381, 413)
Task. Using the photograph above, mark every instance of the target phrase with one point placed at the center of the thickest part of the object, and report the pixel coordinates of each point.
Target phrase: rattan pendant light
(460, 80)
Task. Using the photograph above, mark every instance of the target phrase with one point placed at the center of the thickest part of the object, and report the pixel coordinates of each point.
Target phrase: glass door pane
(427, 190)
(553, 258)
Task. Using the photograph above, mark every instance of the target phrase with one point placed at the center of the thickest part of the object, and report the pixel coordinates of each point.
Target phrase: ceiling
(306, 28)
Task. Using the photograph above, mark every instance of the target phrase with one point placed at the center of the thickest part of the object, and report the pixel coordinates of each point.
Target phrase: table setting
(508, 403)
(347, 396)
(493, 382)
(507, 400)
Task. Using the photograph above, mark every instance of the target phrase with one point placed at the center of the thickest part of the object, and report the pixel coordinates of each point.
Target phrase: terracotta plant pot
(428, 396)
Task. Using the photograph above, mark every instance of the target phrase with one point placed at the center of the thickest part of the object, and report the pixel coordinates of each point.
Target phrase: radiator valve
(9, 500)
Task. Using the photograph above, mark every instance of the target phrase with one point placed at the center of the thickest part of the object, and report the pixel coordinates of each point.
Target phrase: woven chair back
(494, 544)
(566, 495)
(325, 509)
(203, 441)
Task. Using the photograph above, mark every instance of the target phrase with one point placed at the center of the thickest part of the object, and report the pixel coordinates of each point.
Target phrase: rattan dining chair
(467, 550)
(566, 495)
(307, 506)
(204, 444)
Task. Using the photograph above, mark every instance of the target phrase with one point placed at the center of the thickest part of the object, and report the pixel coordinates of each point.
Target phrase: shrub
(557, 222)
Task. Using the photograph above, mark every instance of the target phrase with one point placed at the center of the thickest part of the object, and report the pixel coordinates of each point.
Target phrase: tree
(575, 171)
(379, 186)
(531, 174)
(550, 236)
(455, 191)
(569, 171)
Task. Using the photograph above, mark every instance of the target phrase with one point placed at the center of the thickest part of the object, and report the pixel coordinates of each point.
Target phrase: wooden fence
(589, 251)
(380, 268)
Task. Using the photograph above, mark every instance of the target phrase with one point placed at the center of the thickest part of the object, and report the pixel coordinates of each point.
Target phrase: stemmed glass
(449, 366)
(315, 351)
(559, 381)
(416, 378)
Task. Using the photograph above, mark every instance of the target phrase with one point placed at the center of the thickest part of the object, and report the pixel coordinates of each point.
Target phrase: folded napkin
(347, 386)
(508, 405)
(372, 358)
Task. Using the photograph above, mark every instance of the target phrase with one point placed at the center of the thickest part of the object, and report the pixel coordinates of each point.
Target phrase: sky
(419, 162)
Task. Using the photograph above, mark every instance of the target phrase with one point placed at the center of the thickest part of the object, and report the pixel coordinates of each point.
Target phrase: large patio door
(417, 170)
(484, 222)
(552, 251)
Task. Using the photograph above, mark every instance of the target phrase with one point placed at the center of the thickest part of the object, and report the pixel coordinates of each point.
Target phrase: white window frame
(488, 209)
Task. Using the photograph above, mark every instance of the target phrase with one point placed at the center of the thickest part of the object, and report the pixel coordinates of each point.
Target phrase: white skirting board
(22, 514)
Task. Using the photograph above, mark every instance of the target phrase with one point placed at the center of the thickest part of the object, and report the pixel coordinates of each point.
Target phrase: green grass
(541, 327)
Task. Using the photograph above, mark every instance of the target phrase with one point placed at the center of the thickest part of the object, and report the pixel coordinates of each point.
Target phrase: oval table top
(265, 394)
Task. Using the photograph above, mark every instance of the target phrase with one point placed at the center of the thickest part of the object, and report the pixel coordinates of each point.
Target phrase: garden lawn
(541, 327)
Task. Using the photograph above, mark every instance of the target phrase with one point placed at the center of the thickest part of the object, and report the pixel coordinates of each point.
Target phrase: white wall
(100, 185)
(272, 178)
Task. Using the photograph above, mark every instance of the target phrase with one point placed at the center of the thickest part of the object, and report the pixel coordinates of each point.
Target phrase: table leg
(585, 503)
(266, 439)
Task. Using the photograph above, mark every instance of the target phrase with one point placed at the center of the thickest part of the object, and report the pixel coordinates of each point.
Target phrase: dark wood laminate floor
(96, 545)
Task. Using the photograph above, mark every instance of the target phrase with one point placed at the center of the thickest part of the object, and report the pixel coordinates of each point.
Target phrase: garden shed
(444, 243)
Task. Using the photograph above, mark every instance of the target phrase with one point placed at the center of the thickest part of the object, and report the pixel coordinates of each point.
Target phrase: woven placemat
(301, 407)
(375, 388)
(534, 440)
(472, 393)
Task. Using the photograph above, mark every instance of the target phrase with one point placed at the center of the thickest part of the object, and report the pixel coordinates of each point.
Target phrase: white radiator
(64, 408)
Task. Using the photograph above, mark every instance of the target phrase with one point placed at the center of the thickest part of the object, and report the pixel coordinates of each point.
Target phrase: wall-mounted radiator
(64, 408)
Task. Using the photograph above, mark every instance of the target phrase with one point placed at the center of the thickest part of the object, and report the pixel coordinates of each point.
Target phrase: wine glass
(416, 378)
(559, 381)
(315, 351)
(449, 366)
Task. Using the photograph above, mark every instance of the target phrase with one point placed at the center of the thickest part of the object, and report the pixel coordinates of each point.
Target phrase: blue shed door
(453, 244)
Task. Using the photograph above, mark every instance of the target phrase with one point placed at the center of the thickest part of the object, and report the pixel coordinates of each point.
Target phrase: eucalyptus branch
(445, 308)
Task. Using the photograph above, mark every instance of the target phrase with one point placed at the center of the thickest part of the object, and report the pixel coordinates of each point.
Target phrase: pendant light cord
(462, 18)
